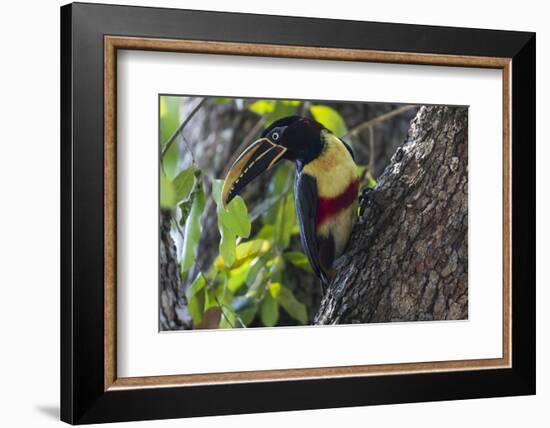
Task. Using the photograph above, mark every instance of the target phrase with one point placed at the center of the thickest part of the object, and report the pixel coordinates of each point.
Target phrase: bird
(326, 184)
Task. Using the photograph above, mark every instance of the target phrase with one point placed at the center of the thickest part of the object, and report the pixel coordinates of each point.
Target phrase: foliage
(367, 180)
(330, 119)
(192, 231)
(247, 283)
(272, 110)
(169, 121)
(233, 223)
(248, 275)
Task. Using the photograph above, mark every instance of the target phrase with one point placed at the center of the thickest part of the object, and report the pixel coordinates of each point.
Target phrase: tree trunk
(408, 255)
(173, 309)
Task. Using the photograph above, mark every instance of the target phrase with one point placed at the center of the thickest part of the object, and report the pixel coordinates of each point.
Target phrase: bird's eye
(275, 136)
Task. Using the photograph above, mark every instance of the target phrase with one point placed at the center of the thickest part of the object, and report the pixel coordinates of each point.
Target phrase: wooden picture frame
(90, 389)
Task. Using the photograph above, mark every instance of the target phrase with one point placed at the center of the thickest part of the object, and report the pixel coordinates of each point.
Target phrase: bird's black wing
(350, 150)
(305, 193)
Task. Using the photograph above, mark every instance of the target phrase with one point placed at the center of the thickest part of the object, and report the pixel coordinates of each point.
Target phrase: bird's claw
(366, 199)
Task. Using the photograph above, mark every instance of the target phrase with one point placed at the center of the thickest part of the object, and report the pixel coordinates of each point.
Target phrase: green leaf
(246, 308)
(183, 184)
(185, 209)
(192, 232)
(262, 107)
(196, 286)
(209, 300)
(285, 297)
(272, 110)
(169, 117)
(330, 119)
(256, 279)
(169, 122)
(195, 299)
(167, 193)
(284, 224)
(195, 306)
(221, 100)
(371, 182)
(237, 277)
(276, 267)
(187, 203)
(282, 109)
(233, 222)
(217, 295)
(235, 218)
(170, 161)
(279, 186)
(274, 289)
(229, 318)
(244, 252)
(227, 246)
(217, 186)
(266, 232)
(269, 311)
(366, 176)
(251, 249)
(298, 259)
(256, 270)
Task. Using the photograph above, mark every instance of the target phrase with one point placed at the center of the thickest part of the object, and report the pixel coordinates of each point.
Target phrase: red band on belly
(329, 207)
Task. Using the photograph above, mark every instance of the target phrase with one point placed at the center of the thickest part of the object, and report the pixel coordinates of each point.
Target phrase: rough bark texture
(407, 257)
(173, 309)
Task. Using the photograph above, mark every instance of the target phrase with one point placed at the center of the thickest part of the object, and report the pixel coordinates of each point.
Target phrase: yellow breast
(339, 227)
(333, 169)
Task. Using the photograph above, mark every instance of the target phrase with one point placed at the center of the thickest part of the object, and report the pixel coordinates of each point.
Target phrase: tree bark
(173, 308)
(407, 258)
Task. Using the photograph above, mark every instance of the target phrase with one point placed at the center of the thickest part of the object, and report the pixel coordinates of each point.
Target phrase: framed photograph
(273, 213)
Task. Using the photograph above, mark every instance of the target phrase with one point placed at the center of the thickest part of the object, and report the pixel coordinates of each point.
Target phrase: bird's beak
(260, 156)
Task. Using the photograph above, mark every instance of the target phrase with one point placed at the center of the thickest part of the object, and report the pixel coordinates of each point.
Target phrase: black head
(299, 135)
(294, 138)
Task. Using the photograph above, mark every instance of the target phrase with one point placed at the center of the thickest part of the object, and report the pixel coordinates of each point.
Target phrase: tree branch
(370, 123)
(177, 132)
